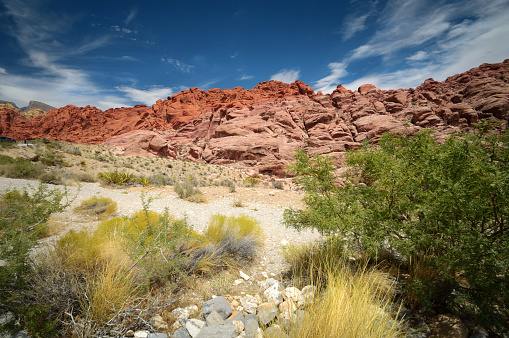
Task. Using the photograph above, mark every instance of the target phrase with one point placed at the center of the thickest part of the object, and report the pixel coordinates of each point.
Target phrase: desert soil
(264, 204)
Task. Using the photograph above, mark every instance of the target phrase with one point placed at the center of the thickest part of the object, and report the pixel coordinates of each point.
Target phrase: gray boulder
(218, 331)
(181, 333)
(219, 304)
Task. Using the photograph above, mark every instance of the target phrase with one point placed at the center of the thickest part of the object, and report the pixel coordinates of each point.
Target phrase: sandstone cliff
(261, 127)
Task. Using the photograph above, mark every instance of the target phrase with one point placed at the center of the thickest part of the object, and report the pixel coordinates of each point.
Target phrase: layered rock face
(260, 128)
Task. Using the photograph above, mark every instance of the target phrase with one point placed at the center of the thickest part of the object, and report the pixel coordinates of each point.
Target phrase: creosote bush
(444, 205)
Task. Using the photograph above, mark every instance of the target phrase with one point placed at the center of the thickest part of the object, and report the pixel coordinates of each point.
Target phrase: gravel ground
(269, 214)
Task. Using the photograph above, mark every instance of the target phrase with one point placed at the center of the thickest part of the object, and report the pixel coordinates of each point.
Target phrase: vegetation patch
(188, 191)
(441, 206)
(116, 177)
(100, 207)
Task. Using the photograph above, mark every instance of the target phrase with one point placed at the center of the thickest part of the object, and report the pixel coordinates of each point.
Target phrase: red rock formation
(260, 128)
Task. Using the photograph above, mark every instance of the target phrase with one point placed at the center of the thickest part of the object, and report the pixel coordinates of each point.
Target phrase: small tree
(446, 205)
(22, 218)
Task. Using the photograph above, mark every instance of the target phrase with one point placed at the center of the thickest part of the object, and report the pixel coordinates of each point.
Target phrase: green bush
(444, 205)
(251, 181)
(50, 158)
(22, 218)
(19, 168)
(116, 177)
(144, 181)
(51, 178)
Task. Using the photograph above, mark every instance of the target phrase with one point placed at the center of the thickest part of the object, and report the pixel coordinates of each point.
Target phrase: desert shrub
(144, 181)
(19, 168)
(85, 177)
(161, 180)
(444, 204)
(197, 198)
(50, 158)
(21, 216)
(4, 159)
(115, 177)
(221, 226)
(51, 177)
(187, 191)
(251, 181)
(74, 151)
(100, 207)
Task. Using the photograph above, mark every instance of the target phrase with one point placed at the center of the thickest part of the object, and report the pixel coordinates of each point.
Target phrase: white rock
(194, 326)
(249, 304)
(192, 310)
(273, 294)
(264, 274)
(141, 334)
(238, 281)
(243, 275)
(266, 283)
(291, 293)
(284, 242)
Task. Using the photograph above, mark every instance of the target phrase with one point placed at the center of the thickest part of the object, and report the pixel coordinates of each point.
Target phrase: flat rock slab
(218, 331)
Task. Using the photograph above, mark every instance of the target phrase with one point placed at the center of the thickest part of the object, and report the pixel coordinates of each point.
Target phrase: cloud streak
(179, 65)
(446, 39)
(147, 97)
(286, 75)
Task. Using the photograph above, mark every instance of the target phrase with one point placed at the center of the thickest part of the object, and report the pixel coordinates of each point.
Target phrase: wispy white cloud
(354, 25)
(3, 71)
(246, 77)
(419, 56)
(286, 75)
(179, 65)
(149, 96)
(131, 16)
(52, 80)
(330, 82)
(234, 56)
(356, 21)
(117, 28)
(451, 37)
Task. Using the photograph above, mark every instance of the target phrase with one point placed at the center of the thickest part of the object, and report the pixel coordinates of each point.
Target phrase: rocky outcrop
(260, 128)
(32, 105)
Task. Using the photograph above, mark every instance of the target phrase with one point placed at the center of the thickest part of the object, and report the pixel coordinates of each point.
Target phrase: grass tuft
(221, 226)
(100, 207)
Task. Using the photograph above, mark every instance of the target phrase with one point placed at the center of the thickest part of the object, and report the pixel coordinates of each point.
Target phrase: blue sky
(121, 53)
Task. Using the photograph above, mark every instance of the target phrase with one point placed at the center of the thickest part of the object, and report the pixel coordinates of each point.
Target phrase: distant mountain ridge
(32, 105)
(259, 129)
